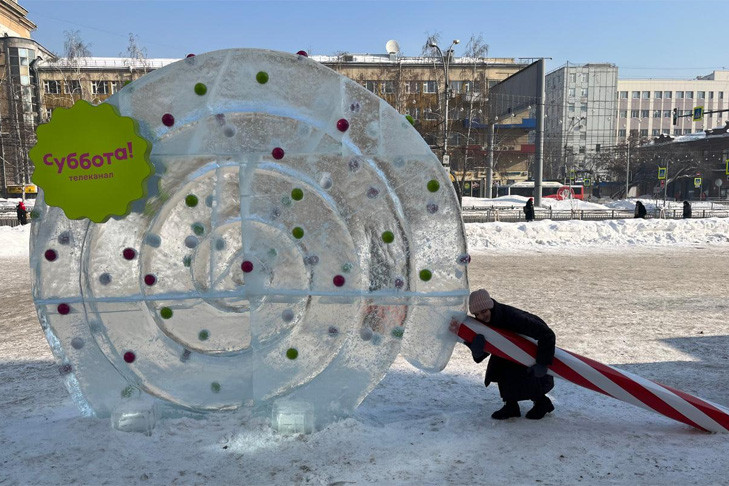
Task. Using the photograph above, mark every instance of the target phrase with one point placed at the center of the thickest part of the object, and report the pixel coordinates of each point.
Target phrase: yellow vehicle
(27, 191)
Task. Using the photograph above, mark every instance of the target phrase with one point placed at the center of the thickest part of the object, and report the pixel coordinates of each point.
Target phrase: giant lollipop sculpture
(295, 234)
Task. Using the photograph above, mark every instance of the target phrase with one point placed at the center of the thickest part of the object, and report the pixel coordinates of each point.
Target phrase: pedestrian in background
(686, 209)
(640, 210)
(22, 213)
(529, 209)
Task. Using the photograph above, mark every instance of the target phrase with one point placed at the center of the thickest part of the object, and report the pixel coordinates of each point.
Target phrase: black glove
(476, 346)
(537, 370)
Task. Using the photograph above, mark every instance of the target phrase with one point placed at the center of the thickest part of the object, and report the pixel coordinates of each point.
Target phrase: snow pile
(14, 241)
(597, 235)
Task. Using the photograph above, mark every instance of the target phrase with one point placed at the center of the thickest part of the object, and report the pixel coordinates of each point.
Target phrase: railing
(511, 215)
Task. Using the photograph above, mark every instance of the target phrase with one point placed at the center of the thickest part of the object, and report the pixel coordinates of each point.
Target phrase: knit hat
(480, 300)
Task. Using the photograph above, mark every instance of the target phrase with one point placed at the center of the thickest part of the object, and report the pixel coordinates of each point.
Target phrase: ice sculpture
(297, 234)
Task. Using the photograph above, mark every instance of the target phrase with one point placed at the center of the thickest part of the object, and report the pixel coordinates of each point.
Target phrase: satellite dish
(392, 47)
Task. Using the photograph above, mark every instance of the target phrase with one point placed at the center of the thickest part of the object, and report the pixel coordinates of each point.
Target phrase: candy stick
(602, 378)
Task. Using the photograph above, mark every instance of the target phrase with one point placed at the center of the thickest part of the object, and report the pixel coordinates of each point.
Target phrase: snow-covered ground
(645, 296)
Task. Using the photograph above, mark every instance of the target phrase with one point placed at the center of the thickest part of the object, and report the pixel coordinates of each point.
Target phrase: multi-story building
(19, 100)
(415, 86)
(580, 119)
(645, 106)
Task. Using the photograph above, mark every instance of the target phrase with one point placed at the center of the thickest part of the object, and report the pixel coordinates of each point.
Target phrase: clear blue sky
(645, 38)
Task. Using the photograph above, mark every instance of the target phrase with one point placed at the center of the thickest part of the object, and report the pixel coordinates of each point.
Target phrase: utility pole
(446, 59)
(490, 173)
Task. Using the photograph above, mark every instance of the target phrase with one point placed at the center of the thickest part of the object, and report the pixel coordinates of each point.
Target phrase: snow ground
(645, 296)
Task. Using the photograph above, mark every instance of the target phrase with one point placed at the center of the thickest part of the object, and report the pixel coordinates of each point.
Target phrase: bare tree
(74, 46)
(136, 55)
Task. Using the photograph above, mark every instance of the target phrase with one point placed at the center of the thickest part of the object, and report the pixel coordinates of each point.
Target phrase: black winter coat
(528, 211)
(514, 382)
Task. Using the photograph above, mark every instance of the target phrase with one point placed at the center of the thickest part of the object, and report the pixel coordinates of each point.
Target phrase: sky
(646, 39)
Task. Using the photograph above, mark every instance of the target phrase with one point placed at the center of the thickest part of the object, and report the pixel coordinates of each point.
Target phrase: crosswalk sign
(698, 113)
(586, 182)
(697, 182)
(661, 173)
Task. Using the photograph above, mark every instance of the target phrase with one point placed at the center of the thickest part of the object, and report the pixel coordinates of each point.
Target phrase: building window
(371, 86)
(47, 114)
(621, 133)
(430, 114)
(583, 92)
(99, 87)
(701, 95)
(711, 95)
(687, 131)
(666, 113)
(412, 87)
(52, 87)
(634, 113)
(667, 94)
(644, 132)
(655, 132)
(656, 113)
(689, 94)
(623, 95)
(571, 107)
(666, 131)
(571, 92)
(658, 95)
(646, 95)
(645, 113)
(114, 86)
(73, 86)
(573, 77)
(388, 87)
(623, 113)
(583, 109)
(721, 95)
(679, 95)
(687, 113)
(430, 87)
(636, 95)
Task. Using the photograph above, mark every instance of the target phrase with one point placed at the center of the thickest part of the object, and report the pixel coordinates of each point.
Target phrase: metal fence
(512, 215)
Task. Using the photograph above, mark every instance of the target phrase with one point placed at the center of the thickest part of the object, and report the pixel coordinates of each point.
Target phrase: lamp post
(446, 59)
(574, 123)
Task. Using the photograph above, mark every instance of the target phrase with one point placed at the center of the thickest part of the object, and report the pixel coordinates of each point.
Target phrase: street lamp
(446, 59)
(574, 123)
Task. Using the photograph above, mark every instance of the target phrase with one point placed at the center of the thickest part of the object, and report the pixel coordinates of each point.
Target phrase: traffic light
(675, 116)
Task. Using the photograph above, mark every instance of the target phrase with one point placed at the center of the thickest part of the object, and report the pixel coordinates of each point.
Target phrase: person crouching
(516, 382)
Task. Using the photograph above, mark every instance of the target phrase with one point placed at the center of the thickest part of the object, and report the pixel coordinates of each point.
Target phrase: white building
(580, 118)
(645, 106)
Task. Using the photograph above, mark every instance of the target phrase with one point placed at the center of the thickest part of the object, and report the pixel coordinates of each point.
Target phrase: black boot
(510, 409)
(542, 406)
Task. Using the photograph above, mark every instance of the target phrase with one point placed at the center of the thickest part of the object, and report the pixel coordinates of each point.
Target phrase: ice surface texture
(298, 234)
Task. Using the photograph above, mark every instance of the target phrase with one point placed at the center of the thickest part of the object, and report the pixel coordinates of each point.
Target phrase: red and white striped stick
(602, 378)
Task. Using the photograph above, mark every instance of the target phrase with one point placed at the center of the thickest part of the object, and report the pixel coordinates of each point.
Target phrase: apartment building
(580, 112)
(645, 106)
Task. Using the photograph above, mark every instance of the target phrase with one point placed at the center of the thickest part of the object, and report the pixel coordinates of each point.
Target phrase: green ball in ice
(388, 237)
(191, 200)
(203, 335)
(298, 233)
(215, 387)
(426, 275)
(165, 312)
(410, 119)
(433, 185)
(198, 229)
(297, 194)
(262, 77)
(292, 353)
(200, 89)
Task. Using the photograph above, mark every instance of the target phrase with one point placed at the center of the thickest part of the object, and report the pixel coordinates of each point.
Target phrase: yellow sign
(697, 182)
(698, 113)
(661, 173)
